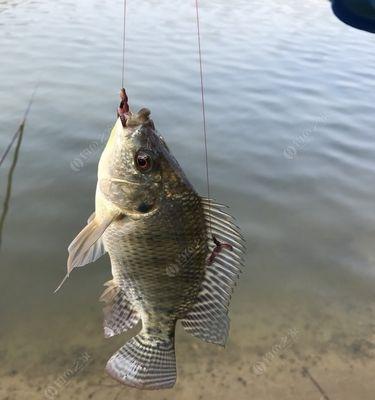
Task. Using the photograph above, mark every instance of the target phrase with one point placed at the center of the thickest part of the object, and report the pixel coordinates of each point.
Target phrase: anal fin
(119, 314)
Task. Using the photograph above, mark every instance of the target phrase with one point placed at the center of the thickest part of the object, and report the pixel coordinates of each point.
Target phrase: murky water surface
(290, 108)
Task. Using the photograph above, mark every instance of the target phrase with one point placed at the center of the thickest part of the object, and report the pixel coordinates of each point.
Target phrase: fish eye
(143, 161)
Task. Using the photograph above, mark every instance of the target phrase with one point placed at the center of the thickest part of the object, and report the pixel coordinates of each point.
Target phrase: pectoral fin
(88, 246)
(91, 217)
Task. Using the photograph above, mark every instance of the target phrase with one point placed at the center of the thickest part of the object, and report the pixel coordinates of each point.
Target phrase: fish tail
(145, 362)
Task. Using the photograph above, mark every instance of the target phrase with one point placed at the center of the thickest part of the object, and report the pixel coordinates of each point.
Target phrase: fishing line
(203, 110)
(123, 44)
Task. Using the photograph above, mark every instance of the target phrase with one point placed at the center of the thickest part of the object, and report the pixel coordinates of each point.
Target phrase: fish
(175, 255)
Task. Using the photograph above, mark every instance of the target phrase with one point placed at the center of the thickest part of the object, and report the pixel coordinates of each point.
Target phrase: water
(290, 107)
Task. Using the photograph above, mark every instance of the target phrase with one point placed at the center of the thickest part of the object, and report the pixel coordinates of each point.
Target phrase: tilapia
(174, 255)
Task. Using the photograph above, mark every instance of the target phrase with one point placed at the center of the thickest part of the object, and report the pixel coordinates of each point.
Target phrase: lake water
(290, 109)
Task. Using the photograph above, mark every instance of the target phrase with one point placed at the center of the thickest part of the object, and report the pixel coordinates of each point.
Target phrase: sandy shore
(327, 377)
(269, 356)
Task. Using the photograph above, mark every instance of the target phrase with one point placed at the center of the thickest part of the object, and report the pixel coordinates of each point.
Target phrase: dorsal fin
(208, 319)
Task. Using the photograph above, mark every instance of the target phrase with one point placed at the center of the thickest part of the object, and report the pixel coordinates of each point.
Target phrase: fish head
(137, 171)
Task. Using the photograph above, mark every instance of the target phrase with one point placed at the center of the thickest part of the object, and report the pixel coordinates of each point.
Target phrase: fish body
(157, 231)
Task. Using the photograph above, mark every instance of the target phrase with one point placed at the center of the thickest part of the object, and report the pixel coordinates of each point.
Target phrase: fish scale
(140, 258)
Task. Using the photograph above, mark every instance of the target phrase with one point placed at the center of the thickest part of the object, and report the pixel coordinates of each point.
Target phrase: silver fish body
(157, 231)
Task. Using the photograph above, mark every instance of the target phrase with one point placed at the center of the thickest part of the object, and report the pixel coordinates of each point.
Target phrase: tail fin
(145, 362)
